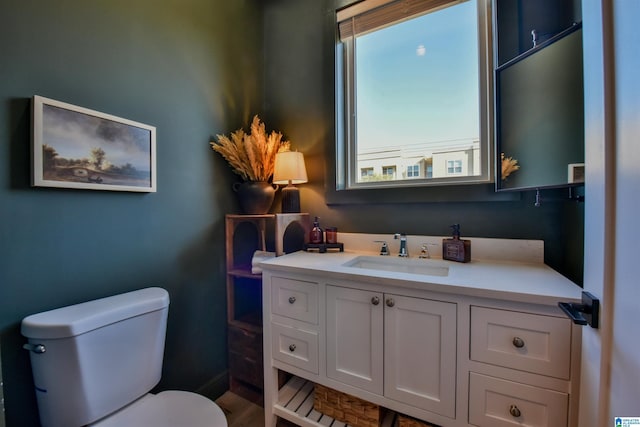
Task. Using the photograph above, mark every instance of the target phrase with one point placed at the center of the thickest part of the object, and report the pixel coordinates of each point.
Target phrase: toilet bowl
(167, 409)
(95, 363)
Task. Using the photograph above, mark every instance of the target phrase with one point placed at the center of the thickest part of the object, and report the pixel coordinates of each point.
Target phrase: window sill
(425, 194)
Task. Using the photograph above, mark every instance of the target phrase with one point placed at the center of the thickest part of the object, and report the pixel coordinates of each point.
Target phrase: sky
(418, 81)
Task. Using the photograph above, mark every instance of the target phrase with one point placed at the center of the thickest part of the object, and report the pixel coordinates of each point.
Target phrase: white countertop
(534, 283)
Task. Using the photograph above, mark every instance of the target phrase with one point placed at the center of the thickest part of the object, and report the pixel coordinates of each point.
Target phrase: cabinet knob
(292, 300)
(514, 411)
(518, 342)
(375, 300)
(390, 302)
(292, 348)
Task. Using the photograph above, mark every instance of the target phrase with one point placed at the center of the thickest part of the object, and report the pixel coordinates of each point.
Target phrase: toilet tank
(98, 356)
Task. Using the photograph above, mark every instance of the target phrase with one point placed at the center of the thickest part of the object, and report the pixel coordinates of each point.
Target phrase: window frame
(346, 173)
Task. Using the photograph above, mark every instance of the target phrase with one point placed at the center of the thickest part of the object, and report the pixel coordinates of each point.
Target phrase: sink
(401, 265)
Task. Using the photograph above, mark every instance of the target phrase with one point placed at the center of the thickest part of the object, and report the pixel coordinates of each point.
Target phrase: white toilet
(94, 364)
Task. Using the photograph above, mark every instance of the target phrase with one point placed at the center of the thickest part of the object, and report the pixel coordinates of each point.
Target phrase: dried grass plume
(509, 165)
(252, 155)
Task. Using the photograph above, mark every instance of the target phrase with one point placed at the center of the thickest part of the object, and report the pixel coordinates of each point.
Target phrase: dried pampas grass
(253, 155)
(509, 165)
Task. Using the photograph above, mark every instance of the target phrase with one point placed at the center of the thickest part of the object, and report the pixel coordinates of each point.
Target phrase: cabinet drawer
(494, 402)
(246, 369)
(245, 342)
(295, 299)
(295, 347)
(527, 342)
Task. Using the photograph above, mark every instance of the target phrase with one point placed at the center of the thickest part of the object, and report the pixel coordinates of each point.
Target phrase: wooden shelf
(244, 290)
(244, 272)
(251, 322)
(295, 404)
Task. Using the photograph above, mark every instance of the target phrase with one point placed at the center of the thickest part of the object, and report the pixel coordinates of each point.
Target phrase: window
(454, 167)
(413, 171)
(412, 83)
(366, 174)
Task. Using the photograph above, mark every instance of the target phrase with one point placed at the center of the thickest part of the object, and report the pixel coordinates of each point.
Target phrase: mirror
(540, 115)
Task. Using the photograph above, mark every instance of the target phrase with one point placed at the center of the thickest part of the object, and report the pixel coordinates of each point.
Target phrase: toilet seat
(167, 409)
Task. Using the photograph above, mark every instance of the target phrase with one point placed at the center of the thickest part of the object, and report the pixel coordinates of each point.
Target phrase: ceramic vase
(255, 198)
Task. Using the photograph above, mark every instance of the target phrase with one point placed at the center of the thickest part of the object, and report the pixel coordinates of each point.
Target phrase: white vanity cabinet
(401, 347)
(531, 343)
(450, 355)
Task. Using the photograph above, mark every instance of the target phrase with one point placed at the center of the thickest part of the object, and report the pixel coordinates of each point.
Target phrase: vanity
(454, 344)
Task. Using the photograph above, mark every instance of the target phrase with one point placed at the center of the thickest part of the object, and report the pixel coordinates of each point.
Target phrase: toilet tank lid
(80, 318)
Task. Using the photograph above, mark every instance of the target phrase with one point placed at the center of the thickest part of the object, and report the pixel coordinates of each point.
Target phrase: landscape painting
(75, 147)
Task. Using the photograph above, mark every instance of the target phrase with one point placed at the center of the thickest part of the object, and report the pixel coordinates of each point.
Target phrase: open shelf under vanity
(295, 404)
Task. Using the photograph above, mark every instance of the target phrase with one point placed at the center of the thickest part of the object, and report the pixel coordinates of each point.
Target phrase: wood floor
(242, 413)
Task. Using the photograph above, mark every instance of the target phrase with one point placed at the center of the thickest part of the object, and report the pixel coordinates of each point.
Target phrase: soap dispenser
(316, 235)
(456, 249)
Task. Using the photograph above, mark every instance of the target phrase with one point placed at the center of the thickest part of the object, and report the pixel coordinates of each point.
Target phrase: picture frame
(75, 147)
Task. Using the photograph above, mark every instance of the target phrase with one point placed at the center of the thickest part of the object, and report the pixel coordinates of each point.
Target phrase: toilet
(94, 364)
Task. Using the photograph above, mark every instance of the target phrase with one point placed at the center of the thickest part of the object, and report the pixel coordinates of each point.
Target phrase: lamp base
(290, 199)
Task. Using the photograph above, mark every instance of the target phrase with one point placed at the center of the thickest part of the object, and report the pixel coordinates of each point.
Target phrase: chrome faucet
(404, 252)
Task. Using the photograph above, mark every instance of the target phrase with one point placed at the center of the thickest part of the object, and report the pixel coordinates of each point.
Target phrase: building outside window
(424, 162)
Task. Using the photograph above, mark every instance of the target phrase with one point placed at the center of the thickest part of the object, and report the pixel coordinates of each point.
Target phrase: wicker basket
(346, 408)
(405, 421)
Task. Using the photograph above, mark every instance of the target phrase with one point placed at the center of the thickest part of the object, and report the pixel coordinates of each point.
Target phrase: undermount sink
(401, 265)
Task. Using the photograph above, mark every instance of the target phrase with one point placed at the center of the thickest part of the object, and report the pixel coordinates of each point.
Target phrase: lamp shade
(289, 168)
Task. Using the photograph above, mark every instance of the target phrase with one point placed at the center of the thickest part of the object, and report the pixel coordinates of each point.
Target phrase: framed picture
(74, 147)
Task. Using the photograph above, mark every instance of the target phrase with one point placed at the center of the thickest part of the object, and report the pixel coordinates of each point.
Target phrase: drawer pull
(390, 302)
(292, 348)
(292, 300)
(518, 343)
(375, 300)
(514, 411)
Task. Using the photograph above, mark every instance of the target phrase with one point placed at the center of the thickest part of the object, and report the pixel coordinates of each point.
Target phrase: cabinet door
(420, 353)
(354, 337)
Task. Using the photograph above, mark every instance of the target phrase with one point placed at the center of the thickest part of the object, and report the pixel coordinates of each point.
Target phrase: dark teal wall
(192, 68)
(299, 96)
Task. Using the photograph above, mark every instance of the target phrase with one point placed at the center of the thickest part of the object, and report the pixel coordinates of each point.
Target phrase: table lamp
(289, 169)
